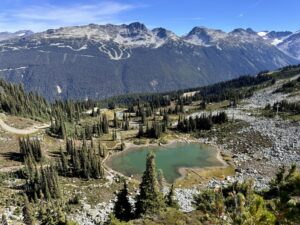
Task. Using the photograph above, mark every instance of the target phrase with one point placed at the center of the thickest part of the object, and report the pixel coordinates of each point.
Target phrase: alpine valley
(99, 61)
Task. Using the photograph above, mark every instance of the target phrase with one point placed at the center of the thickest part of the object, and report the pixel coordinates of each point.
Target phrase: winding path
(26, 131)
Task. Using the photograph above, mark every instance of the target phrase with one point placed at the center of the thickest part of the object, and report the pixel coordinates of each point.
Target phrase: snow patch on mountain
(115, 54)
(13, 69)
(291, 45)
(59, 90)
(262, 33)
(218, 47)
(132, 35)
(276, 41)
(211, 37)
(118, 41)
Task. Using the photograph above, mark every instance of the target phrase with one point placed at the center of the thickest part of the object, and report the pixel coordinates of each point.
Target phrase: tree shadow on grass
(54, 154)
(14, 156)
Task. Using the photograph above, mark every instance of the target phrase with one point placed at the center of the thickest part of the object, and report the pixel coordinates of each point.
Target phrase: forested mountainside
(232, 89)
(99, 61)
(15, 100)
(59, 172)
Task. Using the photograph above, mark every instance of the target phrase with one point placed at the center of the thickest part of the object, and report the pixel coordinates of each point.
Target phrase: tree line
(15, 101)
(202, 122)
(30, 148)
(285, 106)
(84, 162)
(41, 183)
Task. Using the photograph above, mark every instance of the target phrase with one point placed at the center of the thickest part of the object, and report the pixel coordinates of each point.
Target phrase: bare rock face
(19, 34)
(291, 45)
(99, 61)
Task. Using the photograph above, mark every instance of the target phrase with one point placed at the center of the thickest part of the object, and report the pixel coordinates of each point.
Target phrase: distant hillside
(99, 61)
(229, 89)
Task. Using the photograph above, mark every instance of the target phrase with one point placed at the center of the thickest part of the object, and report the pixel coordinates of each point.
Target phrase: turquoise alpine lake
(169, 158)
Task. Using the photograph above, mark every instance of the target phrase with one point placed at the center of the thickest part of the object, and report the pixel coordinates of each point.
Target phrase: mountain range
(19, 34)
(98, 61)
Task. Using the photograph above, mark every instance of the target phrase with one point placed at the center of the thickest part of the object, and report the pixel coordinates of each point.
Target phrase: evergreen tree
(166, 120)
(30, 147)
(52, 214)
(42, 183)
(64, 162)
(125, 123)
(170, 200)
(116, 121)
(219, 204)
(122, 208)
(105, 124)
(284, 188)
(220, 118)
(202, 105)
(156, 130)
(114, 135)
(150, 200)
(144, 118)
(15, 101)
(253, 212)
(141, 131)
(200, 123)
(84, 162)
(100, 149)
(27, 214)
(181, 106)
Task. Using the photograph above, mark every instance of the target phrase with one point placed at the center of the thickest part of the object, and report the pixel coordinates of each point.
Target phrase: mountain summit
(98, 61)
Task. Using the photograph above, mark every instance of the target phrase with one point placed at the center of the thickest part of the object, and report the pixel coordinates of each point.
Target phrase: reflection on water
(168, 158)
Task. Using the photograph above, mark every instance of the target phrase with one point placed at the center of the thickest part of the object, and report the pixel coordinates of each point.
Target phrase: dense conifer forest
(83, 134)
(15, 101)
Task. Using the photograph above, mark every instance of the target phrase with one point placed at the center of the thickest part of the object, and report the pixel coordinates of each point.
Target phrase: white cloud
(41, 17)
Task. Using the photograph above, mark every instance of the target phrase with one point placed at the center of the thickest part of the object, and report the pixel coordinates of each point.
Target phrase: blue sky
(179, 16)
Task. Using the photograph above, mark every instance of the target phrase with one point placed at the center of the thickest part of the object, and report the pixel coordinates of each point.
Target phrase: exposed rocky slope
(97, 61)
(19, 34)
(286, 41)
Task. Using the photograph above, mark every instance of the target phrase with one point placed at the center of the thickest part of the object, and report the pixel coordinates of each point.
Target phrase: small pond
(168, 158)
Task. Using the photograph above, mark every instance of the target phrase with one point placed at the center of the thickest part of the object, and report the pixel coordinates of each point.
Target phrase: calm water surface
(168, 158)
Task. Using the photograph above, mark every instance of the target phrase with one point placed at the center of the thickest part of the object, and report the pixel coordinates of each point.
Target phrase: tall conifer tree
(150, 199)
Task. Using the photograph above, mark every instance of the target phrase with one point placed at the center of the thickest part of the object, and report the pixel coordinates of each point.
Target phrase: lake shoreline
(183, 171)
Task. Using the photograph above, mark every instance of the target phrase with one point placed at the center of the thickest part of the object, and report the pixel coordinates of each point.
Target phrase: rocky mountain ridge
(18, 34)
(138, 35)
(98, 61)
